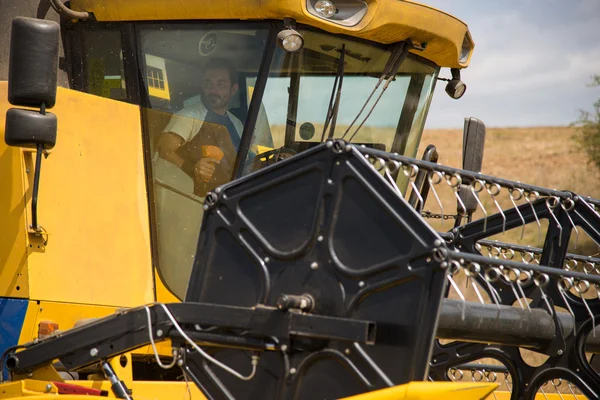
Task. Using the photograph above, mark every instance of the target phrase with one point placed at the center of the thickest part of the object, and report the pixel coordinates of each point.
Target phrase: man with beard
(203, 138)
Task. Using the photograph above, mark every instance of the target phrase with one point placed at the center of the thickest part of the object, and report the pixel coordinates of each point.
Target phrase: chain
(430, 215)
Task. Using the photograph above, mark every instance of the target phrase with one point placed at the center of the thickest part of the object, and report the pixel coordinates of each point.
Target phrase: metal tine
(581, 290)
(556, 386)
(487, 378)
(387, 171)
(455, 186)
(453, 270)
(475, 191)
(536, 196)
(492, 275)
(542, 390)
(588, 268)
(521, 283)
(568, 210)
(513, 200)
(512, 275)
(473, 270)
(411, 171)
(493, 193)
(453, 372)
(541, 281)
(507, 381)
(571, 389)
(432, 184)
(565, 284)
(551, 204)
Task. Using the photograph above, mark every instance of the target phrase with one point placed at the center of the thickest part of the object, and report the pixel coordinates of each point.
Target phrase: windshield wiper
(336, 91)
(392, 66)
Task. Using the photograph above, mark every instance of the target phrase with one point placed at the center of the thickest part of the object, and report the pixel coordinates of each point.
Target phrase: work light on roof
(325, 8)
(290, 40)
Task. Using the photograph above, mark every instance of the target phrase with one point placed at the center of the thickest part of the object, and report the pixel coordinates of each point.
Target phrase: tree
(589, 124)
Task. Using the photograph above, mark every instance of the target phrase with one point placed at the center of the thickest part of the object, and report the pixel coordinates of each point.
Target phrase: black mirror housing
(472, 159)
(25, 128)
(33, 65)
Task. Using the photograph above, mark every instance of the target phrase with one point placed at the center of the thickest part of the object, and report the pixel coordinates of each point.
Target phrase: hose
(60, 8)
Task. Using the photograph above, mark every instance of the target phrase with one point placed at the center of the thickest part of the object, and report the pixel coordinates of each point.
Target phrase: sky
(532, 63)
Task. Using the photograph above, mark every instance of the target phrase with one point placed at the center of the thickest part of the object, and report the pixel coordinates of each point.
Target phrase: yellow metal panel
(150, 390)
(93, 204)
(26, 387)
(13, 242)
(386, 21)
(430, 391)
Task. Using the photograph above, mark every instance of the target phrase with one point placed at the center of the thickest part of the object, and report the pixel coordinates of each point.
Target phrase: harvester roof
(446, 40)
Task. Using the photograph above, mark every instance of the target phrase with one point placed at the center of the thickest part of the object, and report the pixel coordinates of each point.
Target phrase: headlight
(325, 8)
(290, 40)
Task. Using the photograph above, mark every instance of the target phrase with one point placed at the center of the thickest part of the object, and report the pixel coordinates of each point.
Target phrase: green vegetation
(589, 124)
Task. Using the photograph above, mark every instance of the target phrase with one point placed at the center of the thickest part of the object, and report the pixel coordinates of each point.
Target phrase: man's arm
(167, 144)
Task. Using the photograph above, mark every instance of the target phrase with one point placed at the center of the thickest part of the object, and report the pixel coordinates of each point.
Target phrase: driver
(203, 138)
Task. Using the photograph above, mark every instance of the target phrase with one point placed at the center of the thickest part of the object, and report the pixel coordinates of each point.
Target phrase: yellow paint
(386, 21)
(92, 202)
(27, 387)
(13, 236)
(431, 390)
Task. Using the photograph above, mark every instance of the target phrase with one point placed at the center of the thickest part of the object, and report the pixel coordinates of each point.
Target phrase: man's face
(217, 89)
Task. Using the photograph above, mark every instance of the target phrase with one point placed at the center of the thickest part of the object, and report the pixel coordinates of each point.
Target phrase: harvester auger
(347, 294)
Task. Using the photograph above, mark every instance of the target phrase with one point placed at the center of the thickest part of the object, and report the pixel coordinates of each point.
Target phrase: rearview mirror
(472, 160)
(32, 76)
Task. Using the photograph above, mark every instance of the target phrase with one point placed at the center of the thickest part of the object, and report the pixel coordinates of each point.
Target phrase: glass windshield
(299, 93)
(200, 81)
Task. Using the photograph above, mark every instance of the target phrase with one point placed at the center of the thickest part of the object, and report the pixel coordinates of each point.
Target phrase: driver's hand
(205, 168)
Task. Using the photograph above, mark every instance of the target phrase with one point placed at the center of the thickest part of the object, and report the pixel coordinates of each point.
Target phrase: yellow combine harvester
(209, 224)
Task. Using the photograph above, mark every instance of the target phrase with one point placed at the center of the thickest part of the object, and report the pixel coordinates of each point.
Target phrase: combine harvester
(232, 209)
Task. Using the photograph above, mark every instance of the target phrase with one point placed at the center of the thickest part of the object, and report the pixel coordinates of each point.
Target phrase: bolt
(347, 351)
(30, 374)
(48, 388)
(330, 181)
(292, 371)
(94, 352)
(560, 352)
(437, 242)
(267, 259)
(320, 238)
(284, 347)
(159, 333)
(180, 362)
(361, 284)
(314, 265)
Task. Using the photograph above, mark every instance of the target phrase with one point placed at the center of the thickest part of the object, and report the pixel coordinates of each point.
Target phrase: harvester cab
(230, 207)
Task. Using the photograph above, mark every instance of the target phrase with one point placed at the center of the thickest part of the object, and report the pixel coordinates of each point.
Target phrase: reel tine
(455, 185)
(521, 283)
(511, 275)
(490, 380)
(565, 284)
(493, 193)
(475, 191)
(453, 269)
(581, 290)
(432, 184)
(556, 386)
(492, 275)
(551, 204)
(535, 196)
(568, 210)
(387, 171)
(512, 200)
(411, 171)
(541, 281)
(474, 270)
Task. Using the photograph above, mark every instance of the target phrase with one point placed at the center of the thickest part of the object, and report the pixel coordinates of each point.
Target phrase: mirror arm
(36, 179)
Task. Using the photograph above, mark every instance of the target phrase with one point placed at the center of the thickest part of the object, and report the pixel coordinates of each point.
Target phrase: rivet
(284, 347)
(292, 371)
(347, 351)
(159, 333)
(48, 388)
(314, 265)
(560, 352)
(320, 238)
(361, 284)
(267, 259)
(94, 352)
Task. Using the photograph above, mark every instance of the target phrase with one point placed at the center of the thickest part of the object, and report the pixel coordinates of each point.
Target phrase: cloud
(531, 63)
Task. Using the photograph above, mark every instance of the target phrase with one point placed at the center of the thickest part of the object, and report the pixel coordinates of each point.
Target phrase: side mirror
(472, 160)
(32, 76)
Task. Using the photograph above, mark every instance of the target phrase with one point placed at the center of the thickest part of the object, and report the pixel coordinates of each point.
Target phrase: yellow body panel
(92, 203)
(386, 21)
